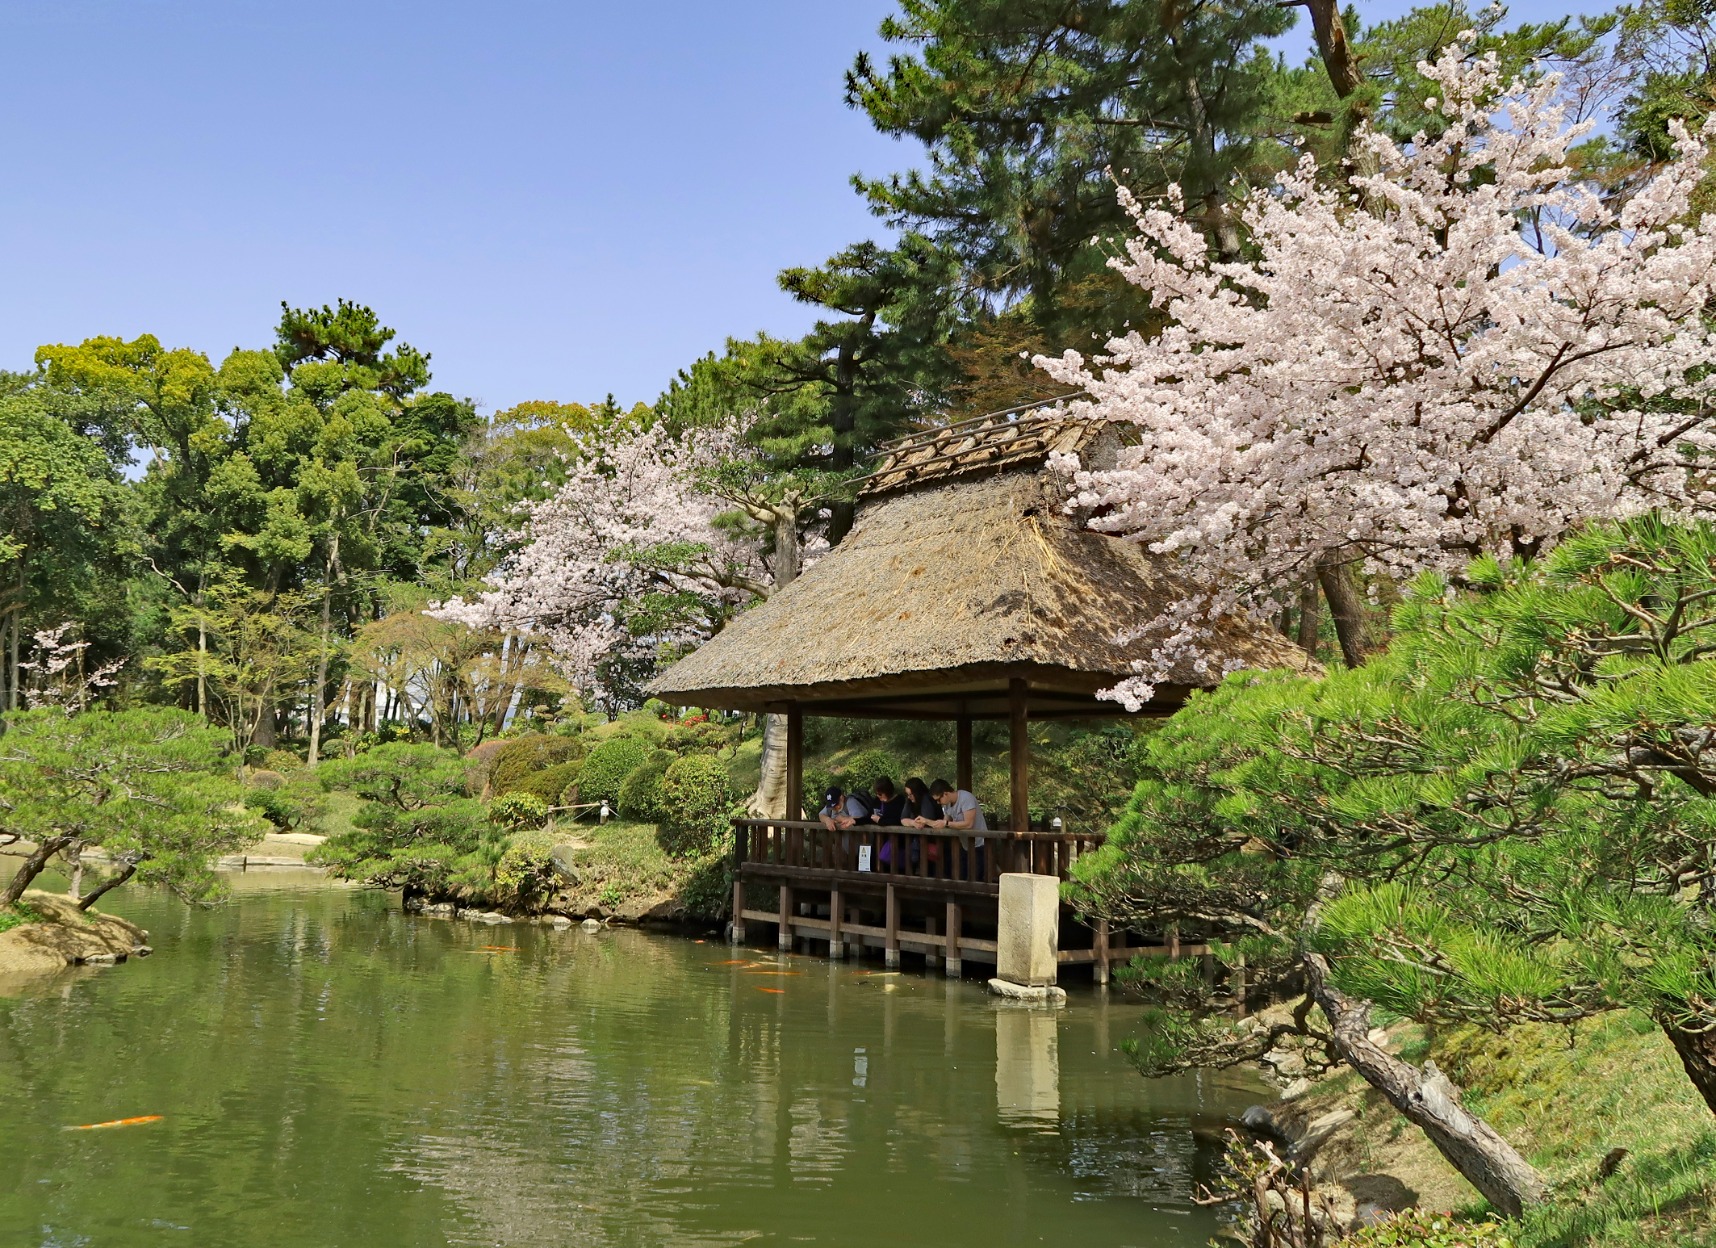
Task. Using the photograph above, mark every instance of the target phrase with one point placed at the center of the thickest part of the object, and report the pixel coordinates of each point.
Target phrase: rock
(561, 857)
(142, 951)
(1295, 1089)
(1319, 1131)
(1040, 994)
(440, 910)
(558, 922)
(1260, 1122)
(102, 959)
(592, 925)
(492, 917)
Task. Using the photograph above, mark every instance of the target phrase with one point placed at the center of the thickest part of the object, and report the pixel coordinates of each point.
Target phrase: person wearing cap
(842, 811)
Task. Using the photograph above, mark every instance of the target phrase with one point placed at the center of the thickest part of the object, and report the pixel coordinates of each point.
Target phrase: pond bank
(58, 934)
(1602, 1108)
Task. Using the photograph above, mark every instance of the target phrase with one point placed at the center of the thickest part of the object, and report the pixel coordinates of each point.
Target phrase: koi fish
(776, 991)
(774, 972)
(118, 1122)
(731, 962)
(497, 949)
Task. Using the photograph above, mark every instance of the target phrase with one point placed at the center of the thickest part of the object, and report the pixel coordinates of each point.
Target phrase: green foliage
(526, 873)
(1416, 1229)
(518, 810)
(417, 829)
(17, 914)
(641, 795)
(281, 761)
(607, 766)
(552, 783)
(696, 804)
(152, 787)
(523, 756)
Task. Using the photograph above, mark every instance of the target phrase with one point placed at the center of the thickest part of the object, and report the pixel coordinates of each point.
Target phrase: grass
(18, 914)
(624, 862)
(1565, 1098)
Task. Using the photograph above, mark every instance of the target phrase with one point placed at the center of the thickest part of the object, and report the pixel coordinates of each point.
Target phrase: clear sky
(556, 198)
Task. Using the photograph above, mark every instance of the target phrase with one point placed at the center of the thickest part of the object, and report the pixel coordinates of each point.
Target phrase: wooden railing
(933, 858)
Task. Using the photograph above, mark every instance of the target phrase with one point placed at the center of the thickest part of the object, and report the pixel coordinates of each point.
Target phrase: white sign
(863, 857)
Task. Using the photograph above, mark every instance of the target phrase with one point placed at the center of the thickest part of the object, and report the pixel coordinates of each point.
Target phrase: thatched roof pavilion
(964, 591)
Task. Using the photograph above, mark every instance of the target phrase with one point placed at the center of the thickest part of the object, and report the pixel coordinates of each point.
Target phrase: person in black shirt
(888, 808)
(919, 809)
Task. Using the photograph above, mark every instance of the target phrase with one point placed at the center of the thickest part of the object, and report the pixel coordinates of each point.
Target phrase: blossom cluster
(1455, 346)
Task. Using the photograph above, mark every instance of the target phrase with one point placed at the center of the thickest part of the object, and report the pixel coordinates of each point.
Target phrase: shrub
(607, 766)
(868, 766)
(696, 803)
(480, 762)
(640, 793)
(282, 760)
(1417, 1229)
(519, 758)
(526, 872)
(275, 805)
(518, 809)
(551, 782)
(263, 779)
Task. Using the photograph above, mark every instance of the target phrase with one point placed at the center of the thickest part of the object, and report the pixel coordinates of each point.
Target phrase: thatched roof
(948, 586)
(1017, 437)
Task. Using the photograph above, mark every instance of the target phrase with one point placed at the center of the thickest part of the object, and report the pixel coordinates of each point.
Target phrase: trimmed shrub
(262, 779)
(868, 766)
(522, 756)
(281, 760)
(551, 782)
(640, 794)
(525, 873)
(696, 803)
(480, 760)
(607, 766)
(519, 810)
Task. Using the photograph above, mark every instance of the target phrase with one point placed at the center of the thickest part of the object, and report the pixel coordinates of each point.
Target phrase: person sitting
(961, 812)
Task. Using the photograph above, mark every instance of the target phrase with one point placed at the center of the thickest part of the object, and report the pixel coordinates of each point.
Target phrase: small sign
(863, 857)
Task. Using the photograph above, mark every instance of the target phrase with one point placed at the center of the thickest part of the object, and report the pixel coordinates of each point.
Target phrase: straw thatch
(984, 444)
(945, 590)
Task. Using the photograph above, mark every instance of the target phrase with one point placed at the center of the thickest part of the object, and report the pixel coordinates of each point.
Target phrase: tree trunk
(769, 801)
(108, 885)
(1346, 610)
(1310, 616)
(76, 889)
(1330, 33)
(1427, 1099)
(319, 695)
(1697, 1049)
(32, 867)
(202, 650)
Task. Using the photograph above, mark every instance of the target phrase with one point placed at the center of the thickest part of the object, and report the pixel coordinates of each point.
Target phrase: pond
(330, 1072)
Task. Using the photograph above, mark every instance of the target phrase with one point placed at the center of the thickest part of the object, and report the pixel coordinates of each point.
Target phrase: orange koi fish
(776, 991)
(774, 972)
(731, 962)
(118, 1122)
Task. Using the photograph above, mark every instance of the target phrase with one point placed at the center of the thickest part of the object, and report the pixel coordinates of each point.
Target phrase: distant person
(961, 812)
(916, 812)
(887, 808)
(842, 811)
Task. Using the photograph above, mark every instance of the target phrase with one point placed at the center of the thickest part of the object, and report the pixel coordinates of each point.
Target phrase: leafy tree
(418, 829)
(152, 787)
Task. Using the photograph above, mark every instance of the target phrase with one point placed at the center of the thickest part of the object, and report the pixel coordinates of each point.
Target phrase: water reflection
(336, 1073)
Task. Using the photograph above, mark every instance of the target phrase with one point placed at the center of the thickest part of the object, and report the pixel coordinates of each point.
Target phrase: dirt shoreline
(67, 937)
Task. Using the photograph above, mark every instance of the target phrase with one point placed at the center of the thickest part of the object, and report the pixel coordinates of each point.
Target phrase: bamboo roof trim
(1016, 436)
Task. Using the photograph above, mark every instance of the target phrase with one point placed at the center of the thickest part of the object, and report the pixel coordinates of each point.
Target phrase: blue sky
(558, 200)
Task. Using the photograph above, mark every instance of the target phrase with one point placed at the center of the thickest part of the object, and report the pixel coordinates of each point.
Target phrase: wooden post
(1102, 951)
(962, 752)
(931, 958)
(783, 940)
(891, 933)
(953, 964)
(738, 929)
(1020, 741)
(836, 948)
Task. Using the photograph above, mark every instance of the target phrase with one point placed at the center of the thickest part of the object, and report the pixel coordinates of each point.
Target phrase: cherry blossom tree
(1457, 346)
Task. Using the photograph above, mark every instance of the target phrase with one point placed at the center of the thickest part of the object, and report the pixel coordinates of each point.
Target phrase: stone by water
(331, 1073)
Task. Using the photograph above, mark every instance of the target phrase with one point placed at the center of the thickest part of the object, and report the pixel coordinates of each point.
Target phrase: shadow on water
(334, 1073)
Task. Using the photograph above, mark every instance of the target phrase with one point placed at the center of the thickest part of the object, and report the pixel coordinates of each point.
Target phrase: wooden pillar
(783, 941)
(794, 762)
(891, 933)
(962, 751)
(954, 964)
(738, 929)
(1101, 941)
(836, 947)
(1020, 741)
(931, 958)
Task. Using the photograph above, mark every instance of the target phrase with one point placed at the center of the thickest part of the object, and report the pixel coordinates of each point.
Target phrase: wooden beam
(891, 938)
(1019, 739)
(794, 762)
(962, 752)
(783, 939)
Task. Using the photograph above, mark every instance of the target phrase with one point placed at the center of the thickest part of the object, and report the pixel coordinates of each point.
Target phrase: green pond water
(331, 1072)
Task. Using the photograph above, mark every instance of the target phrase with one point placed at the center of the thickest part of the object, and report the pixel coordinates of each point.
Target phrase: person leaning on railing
(920, 808)
(960, 812)
(886, 811)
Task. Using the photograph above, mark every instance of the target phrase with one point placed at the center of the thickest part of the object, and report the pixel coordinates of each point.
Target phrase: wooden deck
(932, 892)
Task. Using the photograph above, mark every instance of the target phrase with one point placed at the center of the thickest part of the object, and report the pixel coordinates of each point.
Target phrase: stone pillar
(1028, 935)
